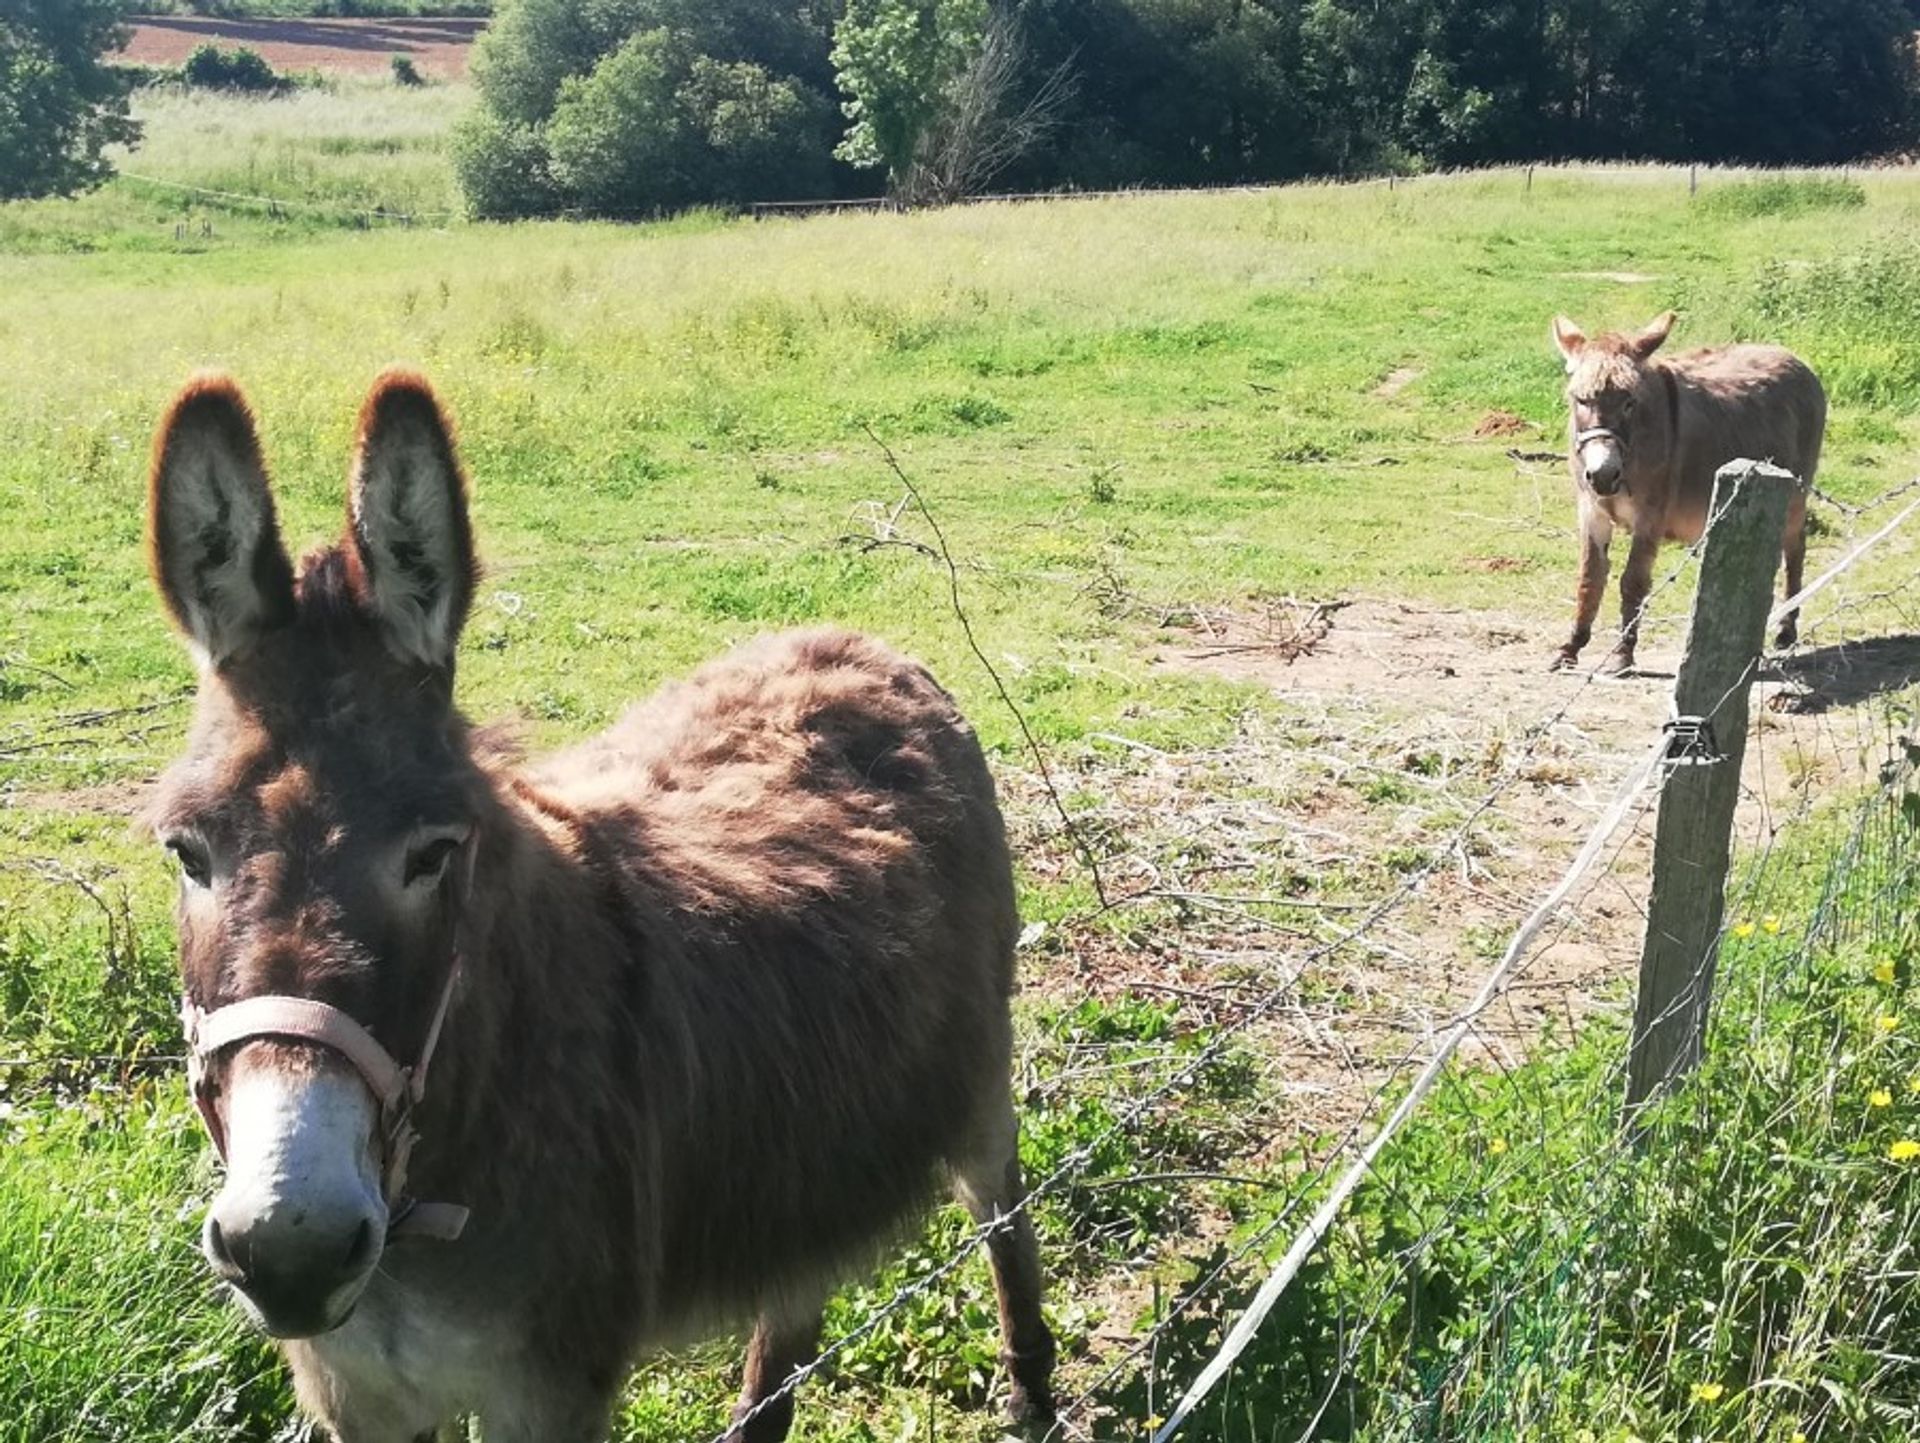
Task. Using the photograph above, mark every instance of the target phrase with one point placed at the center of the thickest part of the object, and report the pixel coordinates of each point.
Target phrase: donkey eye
(1626, 406)
(195, 865)
(428, 860)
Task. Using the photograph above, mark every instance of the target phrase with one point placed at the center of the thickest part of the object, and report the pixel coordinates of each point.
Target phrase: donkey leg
(1636, 582)
(783, 1339)
(1794, 551)
(1596, 531)
(571, 1411)
(989, 1185)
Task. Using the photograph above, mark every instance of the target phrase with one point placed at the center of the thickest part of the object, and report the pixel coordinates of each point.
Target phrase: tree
(658, 126)
(898, 62)
(985, 124)
(631, 106)
(60, 106)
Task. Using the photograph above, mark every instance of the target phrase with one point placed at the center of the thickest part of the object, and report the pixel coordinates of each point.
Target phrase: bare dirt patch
(1396, 381)
(1233, 873)
(437, 45)
(1501, 423)
(1618, 278)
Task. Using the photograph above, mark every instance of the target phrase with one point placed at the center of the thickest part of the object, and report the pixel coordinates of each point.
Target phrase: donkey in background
(1647, 436)
(714, 1002)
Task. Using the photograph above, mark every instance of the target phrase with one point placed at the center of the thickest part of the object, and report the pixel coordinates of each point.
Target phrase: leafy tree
(623, 106)
(60, 106)
(658, 125)
(898, 61)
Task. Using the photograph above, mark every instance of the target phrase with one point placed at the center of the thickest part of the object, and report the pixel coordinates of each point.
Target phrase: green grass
(334, 153)
(1783, 195)
(1115, 407)
(1749, 1274)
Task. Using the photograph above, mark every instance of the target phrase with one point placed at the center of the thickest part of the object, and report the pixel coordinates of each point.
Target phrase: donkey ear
(1648, 341)
(407, 512)
(212, 541)
(1569, 338)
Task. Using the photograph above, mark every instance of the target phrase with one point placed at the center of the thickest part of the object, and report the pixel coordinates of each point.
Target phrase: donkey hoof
(1618, 663)
(1027, 1407)
(1564, 659)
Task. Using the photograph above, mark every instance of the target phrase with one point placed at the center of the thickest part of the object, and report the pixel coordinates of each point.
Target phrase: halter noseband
(1597, 433)
(397, 1089)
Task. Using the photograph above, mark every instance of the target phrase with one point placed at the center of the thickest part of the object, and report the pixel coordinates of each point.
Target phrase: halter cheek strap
(398, 1090)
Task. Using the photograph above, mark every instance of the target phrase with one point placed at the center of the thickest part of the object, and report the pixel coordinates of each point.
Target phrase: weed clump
(1782, 195)
(241, 68)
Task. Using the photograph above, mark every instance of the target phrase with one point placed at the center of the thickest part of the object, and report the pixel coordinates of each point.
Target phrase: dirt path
(436, 45)
(1399, 721)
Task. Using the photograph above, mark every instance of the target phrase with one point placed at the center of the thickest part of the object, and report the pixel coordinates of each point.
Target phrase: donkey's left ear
(407, 512)
(1650, 339)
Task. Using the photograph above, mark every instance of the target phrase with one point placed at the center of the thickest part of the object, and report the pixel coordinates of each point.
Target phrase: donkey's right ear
(212, 539)
(1569, 338)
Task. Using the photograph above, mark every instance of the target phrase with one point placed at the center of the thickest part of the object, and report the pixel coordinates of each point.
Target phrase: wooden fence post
(1701, 785)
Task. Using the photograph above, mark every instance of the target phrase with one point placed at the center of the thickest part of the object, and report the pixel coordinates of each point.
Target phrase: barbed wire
(1622, 1157)
(1373, 916)
(1228, 1033)
(801, 209)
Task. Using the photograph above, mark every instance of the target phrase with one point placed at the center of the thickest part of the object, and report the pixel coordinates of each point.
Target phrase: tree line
(634, 106)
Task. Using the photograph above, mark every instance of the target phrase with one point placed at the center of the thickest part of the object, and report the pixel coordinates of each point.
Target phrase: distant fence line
(366, 217)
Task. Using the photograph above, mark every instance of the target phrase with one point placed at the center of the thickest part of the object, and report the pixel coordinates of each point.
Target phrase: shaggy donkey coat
(1648, 434)
(732, 993)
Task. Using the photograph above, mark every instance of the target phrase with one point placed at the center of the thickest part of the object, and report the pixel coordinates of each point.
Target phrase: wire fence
(379, 214)
(1390, 1341)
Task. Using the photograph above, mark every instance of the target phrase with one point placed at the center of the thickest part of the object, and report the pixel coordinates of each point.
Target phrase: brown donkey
(714, 1002)
(1647, 437)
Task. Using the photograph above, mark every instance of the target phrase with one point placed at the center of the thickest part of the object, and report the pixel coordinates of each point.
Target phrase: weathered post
(1701, 783)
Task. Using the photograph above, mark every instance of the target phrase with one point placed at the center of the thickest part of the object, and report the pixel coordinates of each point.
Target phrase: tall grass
(1515, 1271)
(341, 154)
(1117, 406)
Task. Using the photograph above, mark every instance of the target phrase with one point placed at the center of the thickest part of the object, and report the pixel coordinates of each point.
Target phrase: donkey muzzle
(1602, 459)
(300, 1223)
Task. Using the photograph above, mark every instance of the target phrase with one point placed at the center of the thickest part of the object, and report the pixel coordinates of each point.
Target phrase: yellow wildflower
(1883, 972)
(1913, 1085)
(1798, 1437)
(1743, 930)
(1905, 1150)
(1886, 1022)
(1770, 924)
(1880, 1097)
(1708, 1392)
(1497, 1146)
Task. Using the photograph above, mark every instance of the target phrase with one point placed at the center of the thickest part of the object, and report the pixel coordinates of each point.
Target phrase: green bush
(502, 167)
(641, 106)
(405, 72)
(241, 68)
(658, 127)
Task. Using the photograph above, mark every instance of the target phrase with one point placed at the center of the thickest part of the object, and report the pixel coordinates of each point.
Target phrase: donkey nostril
(219, 1250)
(360, 1251)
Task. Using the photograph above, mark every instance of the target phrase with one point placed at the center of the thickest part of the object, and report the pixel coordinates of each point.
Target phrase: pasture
(1248, 508)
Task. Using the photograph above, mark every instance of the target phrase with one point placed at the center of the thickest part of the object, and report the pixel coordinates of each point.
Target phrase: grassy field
(1123, 412)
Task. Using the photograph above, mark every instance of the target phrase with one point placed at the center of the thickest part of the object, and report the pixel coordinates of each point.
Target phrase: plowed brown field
(435, 45)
